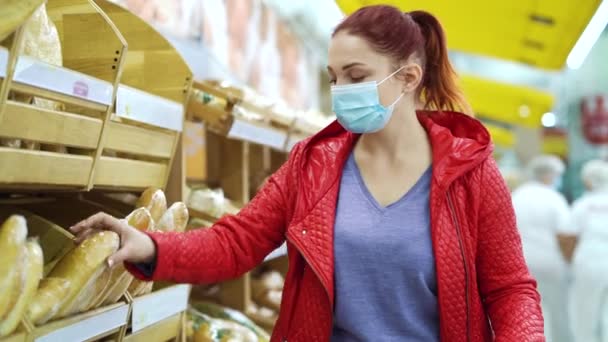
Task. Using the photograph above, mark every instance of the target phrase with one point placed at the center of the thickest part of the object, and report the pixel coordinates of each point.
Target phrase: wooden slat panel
(162, 331)
(116, 172)
(36, 167)
(28, 89)
(39, 124)
(138, 140)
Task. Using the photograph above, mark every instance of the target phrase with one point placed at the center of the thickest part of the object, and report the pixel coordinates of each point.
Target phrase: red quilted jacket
(485, 291)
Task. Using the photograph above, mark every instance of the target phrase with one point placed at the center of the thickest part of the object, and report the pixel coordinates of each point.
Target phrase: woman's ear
(412, 74)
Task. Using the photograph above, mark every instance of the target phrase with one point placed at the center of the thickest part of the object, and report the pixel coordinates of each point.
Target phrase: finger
(83, 235)
(119, 257)
(100, 221)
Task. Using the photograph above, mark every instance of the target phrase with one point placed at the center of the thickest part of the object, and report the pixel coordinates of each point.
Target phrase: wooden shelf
(30, 72)
(137, 105)
(85, 327)
(157, 306)
(163, 330)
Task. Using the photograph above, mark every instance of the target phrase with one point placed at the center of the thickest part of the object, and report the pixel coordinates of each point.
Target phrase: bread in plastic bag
(209, 311)
(80, 267)
(41, 41)
(209, 329)
(155, 201)
(32, 273)
(49, 298)
(13, 234)
(175, 219)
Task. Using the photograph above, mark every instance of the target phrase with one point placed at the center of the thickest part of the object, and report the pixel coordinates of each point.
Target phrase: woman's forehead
(346, 49)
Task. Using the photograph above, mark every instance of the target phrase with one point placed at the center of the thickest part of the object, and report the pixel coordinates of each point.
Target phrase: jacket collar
(459, 143)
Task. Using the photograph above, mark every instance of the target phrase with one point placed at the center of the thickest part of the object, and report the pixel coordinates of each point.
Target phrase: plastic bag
(174, 219)
(81, 266)
(13, 234)
(155, 201)
(28, 283)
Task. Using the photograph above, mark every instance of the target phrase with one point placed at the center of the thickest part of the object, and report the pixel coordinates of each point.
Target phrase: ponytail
(439, 89)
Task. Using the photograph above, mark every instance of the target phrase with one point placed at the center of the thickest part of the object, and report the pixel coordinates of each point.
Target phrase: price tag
(35, 73)
(3, 61)
(266, 136)
(147, 108)
(90, 327)
(155, 307)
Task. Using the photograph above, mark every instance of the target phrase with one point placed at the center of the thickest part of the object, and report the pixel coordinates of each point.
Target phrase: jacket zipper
(464, 260)
(299, 249)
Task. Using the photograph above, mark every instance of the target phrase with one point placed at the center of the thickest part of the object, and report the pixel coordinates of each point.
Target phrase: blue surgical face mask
(358, 108)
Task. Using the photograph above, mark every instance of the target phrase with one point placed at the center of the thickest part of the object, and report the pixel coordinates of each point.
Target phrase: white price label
(3, 61)
(138, 105)
(38, 74)
(266, 136)
(90, 327)
(156, 306)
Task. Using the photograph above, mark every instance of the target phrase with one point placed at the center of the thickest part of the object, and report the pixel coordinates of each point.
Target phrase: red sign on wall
(594, 119)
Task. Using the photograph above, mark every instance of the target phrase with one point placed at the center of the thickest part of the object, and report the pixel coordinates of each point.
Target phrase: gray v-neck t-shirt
(385, 280)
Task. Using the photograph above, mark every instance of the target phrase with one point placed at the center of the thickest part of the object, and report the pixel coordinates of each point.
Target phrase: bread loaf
(48, 299)
(155, 201)
(12, 237)
(174, 219)
(32, 273)
(80, 267)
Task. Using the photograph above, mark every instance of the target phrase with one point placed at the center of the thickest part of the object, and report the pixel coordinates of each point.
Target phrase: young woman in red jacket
(398, 223)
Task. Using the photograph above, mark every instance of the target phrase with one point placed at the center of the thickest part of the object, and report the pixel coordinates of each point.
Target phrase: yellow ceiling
(511, 104)
(540, 32)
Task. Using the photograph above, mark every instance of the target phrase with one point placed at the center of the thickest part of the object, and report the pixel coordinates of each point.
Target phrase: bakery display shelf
(143, 134)
(153, 308)
(167, 329)
(225, 113)
(89, 326)
(54, 116)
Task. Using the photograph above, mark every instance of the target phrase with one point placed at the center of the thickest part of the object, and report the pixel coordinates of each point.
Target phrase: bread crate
(144, 131)
(52, 117)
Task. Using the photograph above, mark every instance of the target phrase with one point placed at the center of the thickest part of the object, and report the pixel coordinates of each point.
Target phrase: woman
(589, 292)
(398, 224)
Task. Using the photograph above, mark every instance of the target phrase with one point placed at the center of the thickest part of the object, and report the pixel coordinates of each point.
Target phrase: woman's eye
(332, 82)
(357, 79)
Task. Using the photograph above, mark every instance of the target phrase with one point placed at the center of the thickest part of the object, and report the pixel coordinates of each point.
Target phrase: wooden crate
(143, 134)
(82, 97)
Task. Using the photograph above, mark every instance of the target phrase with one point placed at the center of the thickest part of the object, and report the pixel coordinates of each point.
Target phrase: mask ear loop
(391, 75)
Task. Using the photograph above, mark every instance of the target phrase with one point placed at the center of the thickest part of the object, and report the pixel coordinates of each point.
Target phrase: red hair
(398, 34)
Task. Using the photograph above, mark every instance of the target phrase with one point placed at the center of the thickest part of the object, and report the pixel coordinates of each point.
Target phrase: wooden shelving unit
(119, 112)
(83, 95)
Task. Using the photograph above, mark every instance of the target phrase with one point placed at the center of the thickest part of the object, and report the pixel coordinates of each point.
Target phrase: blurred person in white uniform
(543, 219)
(589, 292)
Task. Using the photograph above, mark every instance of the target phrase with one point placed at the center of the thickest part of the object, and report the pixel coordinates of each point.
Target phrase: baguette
(48, 299)
(155, 201)
(12, 237)
(32, 271)
(174, 219)
(80, 267)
